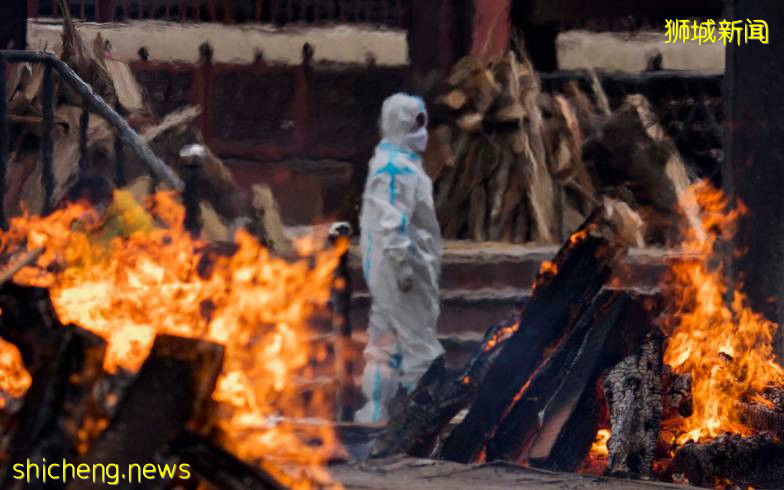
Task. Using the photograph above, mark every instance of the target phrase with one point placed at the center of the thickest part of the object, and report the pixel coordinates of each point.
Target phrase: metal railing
(391, 13)
(124, 134)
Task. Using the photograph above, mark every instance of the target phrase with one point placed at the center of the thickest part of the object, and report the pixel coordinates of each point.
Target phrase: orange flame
(127, 290)
(726, 348)
(599, 446)
(14, 379)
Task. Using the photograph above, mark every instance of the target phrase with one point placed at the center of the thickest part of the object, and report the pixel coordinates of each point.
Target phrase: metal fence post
(47, 177)
(340, 304)
(3, 142)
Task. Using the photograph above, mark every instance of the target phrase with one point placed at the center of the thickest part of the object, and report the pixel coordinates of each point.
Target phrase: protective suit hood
(404, 121)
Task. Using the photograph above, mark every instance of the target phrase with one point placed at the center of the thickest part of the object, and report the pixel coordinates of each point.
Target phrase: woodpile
(224, 205)
(75, 410)
(513, 163)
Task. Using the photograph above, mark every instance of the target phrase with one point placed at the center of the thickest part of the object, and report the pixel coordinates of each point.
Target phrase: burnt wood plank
(27, 320)
(558, 384)
(173, 384)
(583, 266)
(438, 397)
(218, 467)
(57, 402)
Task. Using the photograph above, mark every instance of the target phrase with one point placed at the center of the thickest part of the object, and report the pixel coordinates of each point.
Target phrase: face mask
(417, 140)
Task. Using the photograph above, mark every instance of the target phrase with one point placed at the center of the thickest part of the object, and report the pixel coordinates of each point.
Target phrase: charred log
(760, 417)
(27, 320)
(567, 431)
(633, 393)
(438, 398)
(172, 387)
(522, 424)
(583, 266)
(676, 394)
(57, 403)
(213, 464)
(555, 421)
(757, 461)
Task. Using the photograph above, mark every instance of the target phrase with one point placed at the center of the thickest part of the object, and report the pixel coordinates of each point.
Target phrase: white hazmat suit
(401, 254)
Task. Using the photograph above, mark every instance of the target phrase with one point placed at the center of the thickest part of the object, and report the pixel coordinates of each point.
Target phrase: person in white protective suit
(401, 254)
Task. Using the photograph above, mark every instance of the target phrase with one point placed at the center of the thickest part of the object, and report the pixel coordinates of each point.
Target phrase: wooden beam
(583, 266)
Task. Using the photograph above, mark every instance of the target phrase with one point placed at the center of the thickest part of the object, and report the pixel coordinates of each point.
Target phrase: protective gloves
(404, 273)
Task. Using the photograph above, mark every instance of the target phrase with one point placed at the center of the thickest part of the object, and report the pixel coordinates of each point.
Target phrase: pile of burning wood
(160, 348)
(513, 163)
(675, 384)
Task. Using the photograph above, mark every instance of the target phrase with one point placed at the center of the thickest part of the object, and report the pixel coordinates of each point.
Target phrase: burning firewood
(633, 393)
(220, 468)
(676, 394)
(172, 388)
(560, 379)
(27, 320)
(555, 420)
(756, 461)
(59, 402)
(437, 399)
(562, 294)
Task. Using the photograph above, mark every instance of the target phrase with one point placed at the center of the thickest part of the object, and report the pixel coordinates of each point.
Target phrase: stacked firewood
(223, 204)
(513, 163)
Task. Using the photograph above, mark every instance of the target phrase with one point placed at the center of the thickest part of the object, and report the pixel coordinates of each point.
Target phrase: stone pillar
(491, 27)
(439, 34)
(753, 168)
(105, 10)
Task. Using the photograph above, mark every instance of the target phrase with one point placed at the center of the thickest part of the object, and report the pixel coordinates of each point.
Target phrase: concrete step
(473, 266)
(462, 311)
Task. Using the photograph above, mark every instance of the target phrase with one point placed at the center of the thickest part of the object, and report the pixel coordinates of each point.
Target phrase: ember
(599, 446)
(257, 306)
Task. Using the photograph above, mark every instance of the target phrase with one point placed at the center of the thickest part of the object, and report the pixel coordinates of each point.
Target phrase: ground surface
(418, 474)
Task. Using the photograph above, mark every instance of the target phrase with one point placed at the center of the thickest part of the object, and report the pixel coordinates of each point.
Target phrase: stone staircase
(482, 282)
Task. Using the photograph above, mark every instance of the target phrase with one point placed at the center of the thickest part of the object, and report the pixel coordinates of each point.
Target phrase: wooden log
(438, 398)
(676, 394)
(172, 388)
(598, 91)
(760, 417)
(515, 434)
(545, 427)
(633, 393)
(57, 403)
(542, 191)
(477, 214)
(27, 320)
(499, 183)
(213, 464)
(756, 461)
(583, 266)
(633, 168)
